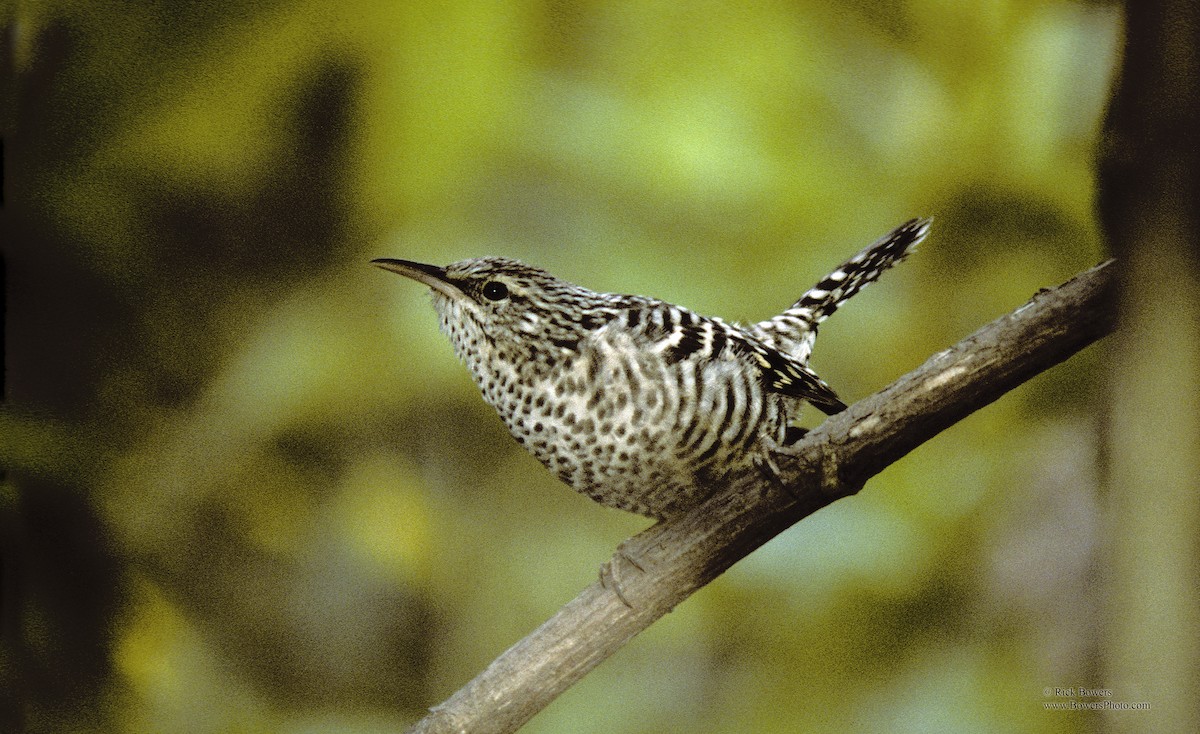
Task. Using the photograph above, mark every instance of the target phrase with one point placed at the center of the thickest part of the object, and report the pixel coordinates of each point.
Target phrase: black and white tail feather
(793, 331)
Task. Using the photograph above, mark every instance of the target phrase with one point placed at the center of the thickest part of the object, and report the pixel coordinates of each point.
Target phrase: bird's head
(491, 302)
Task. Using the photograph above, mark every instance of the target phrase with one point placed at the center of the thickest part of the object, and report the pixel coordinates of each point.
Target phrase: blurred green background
(249, 488)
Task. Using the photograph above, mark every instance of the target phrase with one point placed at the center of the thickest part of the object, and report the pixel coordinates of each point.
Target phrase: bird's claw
(610, 575)
(770, 470)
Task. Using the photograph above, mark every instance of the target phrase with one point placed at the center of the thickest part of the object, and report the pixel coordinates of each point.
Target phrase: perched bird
(638, 403)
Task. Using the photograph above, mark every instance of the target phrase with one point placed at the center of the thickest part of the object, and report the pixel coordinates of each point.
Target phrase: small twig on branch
(679, 556)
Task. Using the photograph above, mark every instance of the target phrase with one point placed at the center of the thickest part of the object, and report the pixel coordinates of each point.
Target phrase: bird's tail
(793, 331)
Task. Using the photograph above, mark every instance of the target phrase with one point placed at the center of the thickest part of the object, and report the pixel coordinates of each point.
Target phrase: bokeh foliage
(249, 489)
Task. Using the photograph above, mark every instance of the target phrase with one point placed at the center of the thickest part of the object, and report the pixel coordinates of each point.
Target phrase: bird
(635, 402)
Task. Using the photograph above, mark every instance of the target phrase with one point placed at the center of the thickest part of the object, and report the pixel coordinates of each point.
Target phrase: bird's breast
(629, 427)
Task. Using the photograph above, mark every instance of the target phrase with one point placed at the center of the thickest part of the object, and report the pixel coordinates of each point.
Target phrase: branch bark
(679, 556)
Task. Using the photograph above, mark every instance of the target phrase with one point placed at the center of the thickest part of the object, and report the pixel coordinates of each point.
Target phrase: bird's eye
(495, 290)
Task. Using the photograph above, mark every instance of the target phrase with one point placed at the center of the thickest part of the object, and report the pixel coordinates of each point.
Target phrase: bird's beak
(430, 275)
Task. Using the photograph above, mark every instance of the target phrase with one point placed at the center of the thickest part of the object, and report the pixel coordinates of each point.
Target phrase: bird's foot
(610, 572)
(767, 466)
(770, 470)
(829, 477)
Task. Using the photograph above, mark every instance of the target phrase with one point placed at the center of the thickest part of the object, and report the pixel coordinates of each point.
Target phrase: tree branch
(679, 556)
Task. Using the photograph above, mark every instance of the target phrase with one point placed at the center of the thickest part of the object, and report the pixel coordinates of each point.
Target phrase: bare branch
(679, 556)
